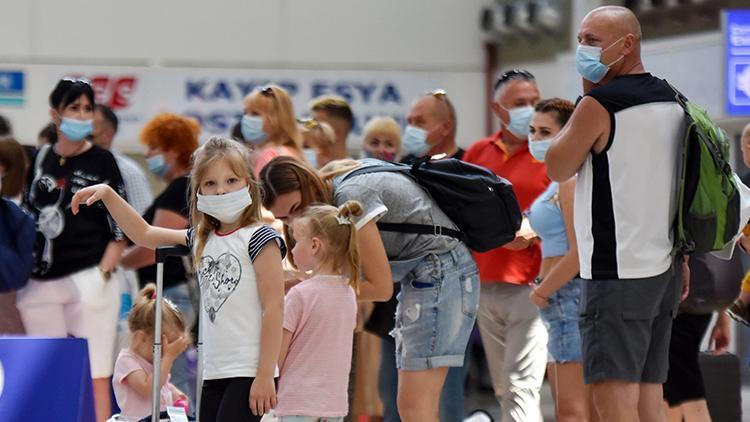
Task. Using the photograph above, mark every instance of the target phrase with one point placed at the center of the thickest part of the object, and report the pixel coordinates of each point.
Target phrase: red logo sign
(114, 91)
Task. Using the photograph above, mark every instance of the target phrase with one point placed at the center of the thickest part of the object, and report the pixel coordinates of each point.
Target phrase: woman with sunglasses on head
(70, 291)
(270, 126)
(439, 280)
(319, 141)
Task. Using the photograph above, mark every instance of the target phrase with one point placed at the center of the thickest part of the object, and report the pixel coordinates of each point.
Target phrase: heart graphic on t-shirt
(218, 279)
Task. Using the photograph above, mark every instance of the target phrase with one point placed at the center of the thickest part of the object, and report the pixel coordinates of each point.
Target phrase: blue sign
(12, 86)
(737, 35)
(45, 379)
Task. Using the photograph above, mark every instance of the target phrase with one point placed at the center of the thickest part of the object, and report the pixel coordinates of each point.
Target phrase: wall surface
(148, 56)
(353, 45)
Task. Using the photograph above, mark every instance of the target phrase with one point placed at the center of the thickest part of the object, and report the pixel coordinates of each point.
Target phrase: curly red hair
(172, 132)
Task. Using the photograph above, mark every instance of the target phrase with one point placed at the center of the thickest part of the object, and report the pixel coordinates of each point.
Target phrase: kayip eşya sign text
(12, 86)
(737, 46)
(214, 97)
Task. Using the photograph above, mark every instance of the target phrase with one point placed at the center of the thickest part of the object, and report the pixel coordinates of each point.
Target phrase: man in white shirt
(136, 182)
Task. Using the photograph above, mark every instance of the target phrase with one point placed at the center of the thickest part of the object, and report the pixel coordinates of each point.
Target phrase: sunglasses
(267, 91)
(77, 80)
(513, 74)
(309, 123)
(440, 93)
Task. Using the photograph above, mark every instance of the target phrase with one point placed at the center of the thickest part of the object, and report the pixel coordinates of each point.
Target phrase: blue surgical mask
(311, 156)
(75, 130)
(538, 149)
(520, 119)
(415, 141)
(588, 62)
(252, 129)
(157, 165)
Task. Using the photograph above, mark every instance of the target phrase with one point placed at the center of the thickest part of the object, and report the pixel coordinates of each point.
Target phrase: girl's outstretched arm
(134, 226)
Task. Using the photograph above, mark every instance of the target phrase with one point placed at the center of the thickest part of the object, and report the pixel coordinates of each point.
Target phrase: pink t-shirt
(265, 155)
(321, 313)
(130, 402)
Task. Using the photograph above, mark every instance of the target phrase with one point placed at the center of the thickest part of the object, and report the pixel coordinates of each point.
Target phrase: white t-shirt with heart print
(230, 304)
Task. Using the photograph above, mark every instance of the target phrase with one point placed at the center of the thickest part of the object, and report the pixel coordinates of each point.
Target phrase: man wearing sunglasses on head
(513, 335)
(431, 128)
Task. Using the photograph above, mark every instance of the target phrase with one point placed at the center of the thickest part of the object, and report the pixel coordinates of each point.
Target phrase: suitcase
(721, 378)
(161, 255)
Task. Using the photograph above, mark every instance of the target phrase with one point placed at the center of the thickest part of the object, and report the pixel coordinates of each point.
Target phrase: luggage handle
(161, 255)
(166, 251)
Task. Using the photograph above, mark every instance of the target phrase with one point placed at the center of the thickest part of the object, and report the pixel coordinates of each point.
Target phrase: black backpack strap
(378, 169)
(680, 98)
(420, 229)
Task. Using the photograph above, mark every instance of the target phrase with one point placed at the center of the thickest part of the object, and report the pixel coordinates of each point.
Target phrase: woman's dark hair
(561, 108)
(69, 90)
(49, 132)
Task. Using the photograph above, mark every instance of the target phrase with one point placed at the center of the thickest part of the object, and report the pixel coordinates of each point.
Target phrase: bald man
(622, 142)
(432, 128)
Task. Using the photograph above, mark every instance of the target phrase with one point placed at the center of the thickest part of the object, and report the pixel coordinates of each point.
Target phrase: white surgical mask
(538, 149)
(226, 208)
(520, 118)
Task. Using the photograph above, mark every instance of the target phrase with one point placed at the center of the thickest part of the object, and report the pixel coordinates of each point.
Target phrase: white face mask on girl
(226, 208)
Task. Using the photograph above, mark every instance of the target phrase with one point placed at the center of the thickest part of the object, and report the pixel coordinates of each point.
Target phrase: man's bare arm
(588, 124)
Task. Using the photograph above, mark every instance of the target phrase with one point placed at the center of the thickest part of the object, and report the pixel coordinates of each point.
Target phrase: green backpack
(708, 200)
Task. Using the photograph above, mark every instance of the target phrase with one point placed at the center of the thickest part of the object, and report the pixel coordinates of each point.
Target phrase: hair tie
(344, 220)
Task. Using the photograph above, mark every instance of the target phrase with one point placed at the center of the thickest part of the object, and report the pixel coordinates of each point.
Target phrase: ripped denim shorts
(437, 307)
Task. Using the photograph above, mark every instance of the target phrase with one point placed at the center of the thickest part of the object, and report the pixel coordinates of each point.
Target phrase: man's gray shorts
(626, 326)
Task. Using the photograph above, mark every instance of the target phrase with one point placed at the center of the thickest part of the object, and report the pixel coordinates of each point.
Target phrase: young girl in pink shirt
(320, 316)
(134, 371)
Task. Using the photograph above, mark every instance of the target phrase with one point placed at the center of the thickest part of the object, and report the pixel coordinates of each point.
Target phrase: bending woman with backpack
(439, 280)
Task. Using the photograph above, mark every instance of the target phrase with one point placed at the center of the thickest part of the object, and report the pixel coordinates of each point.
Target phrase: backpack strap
(680, 98)
(38, 162)
(404, 227)
(378, 169)
(420, 229)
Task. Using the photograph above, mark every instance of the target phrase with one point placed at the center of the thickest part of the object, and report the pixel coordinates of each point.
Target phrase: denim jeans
(561, 319)
(437, 308)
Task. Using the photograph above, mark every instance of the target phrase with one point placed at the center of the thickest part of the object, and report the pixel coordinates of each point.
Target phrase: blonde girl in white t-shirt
(238, 265)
